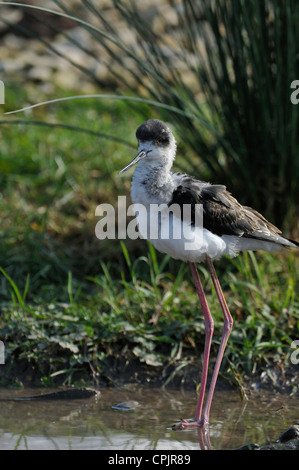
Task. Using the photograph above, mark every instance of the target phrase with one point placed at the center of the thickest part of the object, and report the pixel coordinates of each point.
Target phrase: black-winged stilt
(227, 228)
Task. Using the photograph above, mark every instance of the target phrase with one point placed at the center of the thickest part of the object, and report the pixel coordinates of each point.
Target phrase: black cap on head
(154, 130)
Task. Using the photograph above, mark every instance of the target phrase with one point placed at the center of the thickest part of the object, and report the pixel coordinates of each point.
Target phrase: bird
(218, 225)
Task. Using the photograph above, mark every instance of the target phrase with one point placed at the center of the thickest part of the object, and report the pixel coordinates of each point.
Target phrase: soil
(276, 377)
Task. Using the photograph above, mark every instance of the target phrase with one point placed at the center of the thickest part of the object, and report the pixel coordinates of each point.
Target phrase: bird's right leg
(209, 329)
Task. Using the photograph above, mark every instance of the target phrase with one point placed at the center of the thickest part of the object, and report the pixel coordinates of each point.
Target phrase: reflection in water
(94, 424)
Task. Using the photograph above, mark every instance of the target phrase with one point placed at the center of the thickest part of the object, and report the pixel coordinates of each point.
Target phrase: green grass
(73, 306)
(52, 179)
(151, 316)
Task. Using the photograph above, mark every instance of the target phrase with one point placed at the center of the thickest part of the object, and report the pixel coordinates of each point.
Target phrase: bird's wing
(222, 213)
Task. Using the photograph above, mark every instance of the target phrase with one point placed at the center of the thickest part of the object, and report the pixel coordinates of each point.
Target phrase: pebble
(126, 405)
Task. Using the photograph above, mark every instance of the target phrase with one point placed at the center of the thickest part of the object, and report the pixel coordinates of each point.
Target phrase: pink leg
(227, 328)
(209, 329)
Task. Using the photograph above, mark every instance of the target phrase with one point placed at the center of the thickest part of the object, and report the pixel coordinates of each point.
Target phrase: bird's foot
(189, 424)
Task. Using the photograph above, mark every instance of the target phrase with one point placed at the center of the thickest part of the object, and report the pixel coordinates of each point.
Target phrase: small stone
(126, 405)
(251, 446)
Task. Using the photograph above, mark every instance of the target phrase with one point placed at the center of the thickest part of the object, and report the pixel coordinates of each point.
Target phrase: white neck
(152, 181)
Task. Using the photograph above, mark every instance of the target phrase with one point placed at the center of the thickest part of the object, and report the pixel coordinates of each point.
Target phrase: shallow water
(93, 424)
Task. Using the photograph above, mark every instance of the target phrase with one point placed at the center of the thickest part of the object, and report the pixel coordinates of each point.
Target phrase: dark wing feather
(222, 213)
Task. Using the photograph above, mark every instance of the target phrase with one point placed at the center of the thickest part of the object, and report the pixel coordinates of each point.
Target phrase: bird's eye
(159, 141)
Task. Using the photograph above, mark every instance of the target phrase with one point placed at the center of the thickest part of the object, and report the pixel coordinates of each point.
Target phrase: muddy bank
(276, 377)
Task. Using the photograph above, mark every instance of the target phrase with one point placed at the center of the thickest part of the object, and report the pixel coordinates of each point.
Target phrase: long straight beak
(140, 156)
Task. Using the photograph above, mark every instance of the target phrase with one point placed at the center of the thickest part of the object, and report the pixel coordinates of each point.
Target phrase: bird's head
(156, 145)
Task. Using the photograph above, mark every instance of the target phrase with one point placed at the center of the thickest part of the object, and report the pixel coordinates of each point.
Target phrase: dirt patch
(119, 373)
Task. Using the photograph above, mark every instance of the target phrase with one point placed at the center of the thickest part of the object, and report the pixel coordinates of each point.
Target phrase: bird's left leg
(209, 329)
(227, 328)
